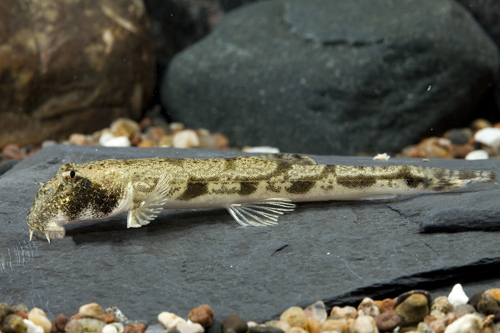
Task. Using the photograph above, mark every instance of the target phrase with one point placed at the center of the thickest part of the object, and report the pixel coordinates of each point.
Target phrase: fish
(256, 190)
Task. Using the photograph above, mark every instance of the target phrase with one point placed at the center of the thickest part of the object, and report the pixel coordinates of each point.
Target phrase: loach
(255, 190)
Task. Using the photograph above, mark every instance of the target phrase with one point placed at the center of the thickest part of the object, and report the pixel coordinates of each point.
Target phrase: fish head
(75, 194)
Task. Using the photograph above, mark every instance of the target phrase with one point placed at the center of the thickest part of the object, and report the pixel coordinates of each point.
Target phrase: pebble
(91, 325)
(155, 133)
(364, 324)
(38, 317)
(77, 139)
(261, 150)
(216, 327)
(316, 310)
(489, 136)
(109, 140)
(294, 316)
(48, 143)
(222, 141)
(189, 327)
(170, 320)
(124, 127)
(207, 141)
(176, 127)
(91, 310)
(347, 312)
(185, 139)
(108, 318)
(233, 323)
(477, 155)
(313, 325)
(334, 325)
(13, 323)
(368, 307)
(202, 315)
(23, 314)
(381, 157)
(469, 323)
(12, 151)
(61, 321)
(464, 309)
(479, 124)
(475, 297)
(442, 304)
(388, 321)
(146, 144)
(457, 296)
(386, 304)
(413, 309)
(459, 136)
(487, 304)
(32, 328)
(5, 310)
(73, 326)
(437, 325)
(157, 328)
(282, 325)
(117, 314)
(264, 329)
(297, 330)
(461, 151)
(113, 328)
(424, 328)
(165, 141)
(495, 292)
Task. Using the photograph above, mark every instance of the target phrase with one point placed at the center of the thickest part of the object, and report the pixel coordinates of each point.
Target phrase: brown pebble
(13, 323)
(235, 324)
(387, 321)
(460, 151)
(22, 314)
(53, 329)
(334, 325)
(413, 309)
(146, 144)
(487, 304)
(313, 325)
(155, 133)
(387, 304)
(437, 325)
(165, 141)
(108, 318)
(497, 315)
(202, 315)
(222, 141)
(135, 140)
(61, 322)
(75, 316)
(479, 124)
(146, 122)
(135, 328)
(495, 292)
(73, 326)
(12, 151)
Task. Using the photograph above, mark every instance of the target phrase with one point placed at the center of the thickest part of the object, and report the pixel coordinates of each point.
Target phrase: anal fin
(261, 213)
(151, 205)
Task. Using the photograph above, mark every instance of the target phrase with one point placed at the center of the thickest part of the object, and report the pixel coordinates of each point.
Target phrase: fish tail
(449, 179)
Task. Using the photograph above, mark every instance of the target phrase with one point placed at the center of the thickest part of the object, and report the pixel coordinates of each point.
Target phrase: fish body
(256, 190)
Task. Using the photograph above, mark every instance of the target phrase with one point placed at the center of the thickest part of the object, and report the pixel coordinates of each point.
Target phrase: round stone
(413, 309)
(73, 326)
(13, 323)
(469, 323)
(202, 315)
(316, 310)
(347, 312)
(170, 320)
(61, 321)
(295, 316)
(442, 304)
(235, 324)
(364, 324)
(368, 307)
(91, 310)
(487, 304)
(38, 317)
(91, 324)
(387, 321)
(334, 325)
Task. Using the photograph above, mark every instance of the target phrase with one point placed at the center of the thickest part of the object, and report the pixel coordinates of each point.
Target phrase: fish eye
(70, 176)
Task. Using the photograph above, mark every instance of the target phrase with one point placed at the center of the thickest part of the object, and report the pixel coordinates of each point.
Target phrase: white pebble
(109, 140)
(469, 323)
(170, 320)
(32, 328)
(187, 327)
(113, 328)
(185, 139)
(457, 296)
(477, 155)
(489, 136)
(262, 150)
(382, 157)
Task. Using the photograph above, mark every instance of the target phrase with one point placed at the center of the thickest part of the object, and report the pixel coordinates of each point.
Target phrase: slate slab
(335, 251)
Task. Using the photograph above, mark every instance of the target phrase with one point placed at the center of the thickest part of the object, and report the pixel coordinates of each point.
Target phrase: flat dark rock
(335, 251)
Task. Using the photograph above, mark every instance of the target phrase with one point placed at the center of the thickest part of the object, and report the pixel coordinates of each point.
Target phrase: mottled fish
(255, 190)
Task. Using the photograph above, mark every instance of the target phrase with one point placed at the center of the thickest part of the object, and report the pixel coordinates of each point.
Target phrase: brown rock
(73, 326)
(135, 328)
(487, 304)
(22, 314)
(165, 141)
(5, 310)
(202, 315)
(442, 304)
(387, 304)
(61, 321)
(495, 292)
(460, 151)
(77, 139)
(347, 312)
(136, 139)
(108, 318)
(437, 325)
(388, 321)
(368, 307)
(124, 127)
(434, 147)
(155, 133)
(75, 67)
(12, 151)
(235, 324)
(222, 141)
(75, 317)
(479, 124)
(53, 328)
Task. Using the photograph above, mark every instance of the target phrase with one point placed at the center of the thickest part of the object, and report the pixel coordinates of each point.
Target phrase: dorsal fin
(287, 158)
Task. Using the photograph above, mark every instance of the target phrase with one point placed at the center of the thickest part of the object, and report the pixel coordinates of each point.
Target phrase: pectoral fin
(151, 205)
(260, 213)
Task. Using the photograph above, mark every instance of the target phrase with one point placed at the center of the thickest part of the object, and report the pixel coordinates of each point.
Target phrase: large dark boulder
(71, 66)
(326, 76)
(336, 251)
